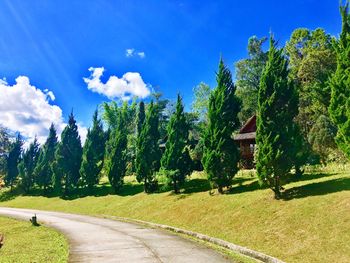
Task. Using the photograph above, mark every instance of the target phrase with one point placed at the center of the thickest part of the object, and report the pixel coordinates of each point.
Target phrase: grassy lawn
(25, 243)
(312, 223)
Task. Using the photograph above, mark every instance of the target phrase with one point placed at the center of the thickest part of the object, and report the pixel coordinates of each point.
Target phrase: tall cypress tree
(116, 155)
(140, 117)
(221, 155)
(277, 107)
(43, 170)
(93, 153)
(12, 161)
(68, 157)
(339, 108)
(27, 165)
(148, 151)
(174, 159)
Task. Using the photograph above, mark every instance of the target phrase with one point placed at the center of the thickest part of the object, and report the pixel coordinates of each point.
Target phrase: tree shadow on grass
(317, 189)
(203, 185)
(244, 188)
(196, 185)
(130, 189)
(308, 177)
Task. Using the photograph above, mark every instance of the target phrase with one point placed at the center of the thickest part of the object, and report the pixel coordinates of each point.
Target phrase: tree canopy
(68, 157)
(339, 108)
(221, 155)
(277, 107)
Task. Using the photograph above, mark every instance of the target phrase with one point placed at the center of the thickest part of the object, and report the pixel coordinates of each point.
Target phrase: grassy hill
(25, 243)
(311, 224)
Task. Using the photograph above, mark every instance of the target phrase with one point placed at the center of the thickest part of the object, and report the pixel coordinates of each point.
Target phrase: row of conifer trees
(132, 140)
(65, 165)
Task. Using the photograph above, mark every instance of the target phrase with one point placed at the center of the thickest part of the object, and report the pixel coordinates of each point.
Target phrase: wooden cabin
(246, 141)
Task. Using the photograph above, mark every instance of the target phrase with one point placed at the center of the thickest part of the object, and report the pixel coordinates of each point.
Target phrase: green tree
(339, 108)
(162, 108)
(110, 114)
(141, 115)
(322, 136)
(43, 170)
(93, 153)
(173, 158)
(12, 161)
(221, 155)
(116, 152)
(200, 103)
(27, 165)
(148, 152)
(68, 157)
(312, 61)
(198, 120)
(248, 74)
(277, 107)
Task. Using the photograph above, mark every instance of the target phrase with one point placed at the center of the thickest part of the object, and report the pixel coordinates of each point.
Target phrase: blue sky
(176, 44)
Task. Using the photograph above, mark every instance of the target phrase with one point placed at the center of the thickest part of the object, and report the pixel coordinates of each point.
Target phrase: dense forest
(300, 94)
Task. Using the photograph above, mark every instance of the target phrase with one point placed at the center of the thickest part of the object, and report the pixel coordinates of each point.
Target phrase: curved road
(94, 239)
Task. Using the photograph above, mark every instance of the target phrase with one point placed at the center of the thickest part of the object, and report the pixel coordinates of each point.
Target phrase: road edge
(216, 241)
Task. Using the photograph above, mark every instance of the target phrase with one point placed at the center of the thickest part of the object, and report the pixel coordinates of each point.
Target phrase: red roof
(249, 126)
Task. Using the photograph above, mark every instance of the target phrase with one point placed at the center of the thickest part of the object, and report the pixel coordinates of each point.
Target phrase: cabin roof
(248, 131)
(249, 126)
(245, 136)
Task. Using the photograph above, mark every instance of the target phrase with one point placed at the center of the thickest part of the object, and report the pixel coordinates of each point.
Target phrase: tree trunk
(220, 189)
(298, 172)
(276, 188)
(145, 185)
(176, 190)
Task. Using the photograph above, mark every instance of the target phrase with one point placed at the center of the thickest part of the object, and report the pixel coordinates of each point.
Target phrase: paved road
(102, 240)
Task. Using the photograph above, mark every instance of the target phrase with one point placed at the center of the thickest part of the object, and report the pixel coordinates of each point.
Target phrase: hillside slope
(312, 224)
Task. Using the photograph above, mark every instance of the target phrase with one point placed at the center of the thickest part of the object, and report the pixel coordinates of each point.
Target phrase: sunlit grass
(311, 224)
(26, 243)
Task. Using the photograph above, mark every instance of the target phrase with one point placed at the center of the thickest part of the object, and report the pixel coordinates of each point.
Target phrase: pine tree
(12, 161)
(339, 108)
(43, 170)
(148, 151)
(116, 155)
(140, 117)
(221, 155)
(68, 157)
(174, 159)
(93, 153)
(277, 107)
(27, 165)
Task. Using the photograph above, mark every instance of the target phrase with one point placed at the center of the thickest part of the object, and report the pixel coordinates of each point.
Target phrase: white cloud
(130, 84)
(141, 54)
(82, 132)
(129, 52)
(27, 109)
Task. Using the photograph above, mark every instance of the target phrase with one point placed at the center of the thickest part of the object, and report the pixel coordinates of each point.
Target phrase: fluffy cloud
(130, 52)
(27, 109)
(130, 84)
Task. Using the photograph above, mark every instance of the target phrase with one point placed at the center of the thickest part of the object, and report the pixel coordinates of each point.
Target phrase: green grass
(26, 243)
(311, 224)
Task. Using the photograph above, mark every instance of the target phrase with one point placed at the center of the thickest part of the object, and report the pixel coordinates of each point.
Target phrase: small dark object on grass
(34, 220)
(2, 237)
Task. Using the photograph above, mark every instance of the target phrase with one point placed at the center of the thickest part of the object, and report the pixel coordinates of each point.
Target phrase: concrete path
(94, 239)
